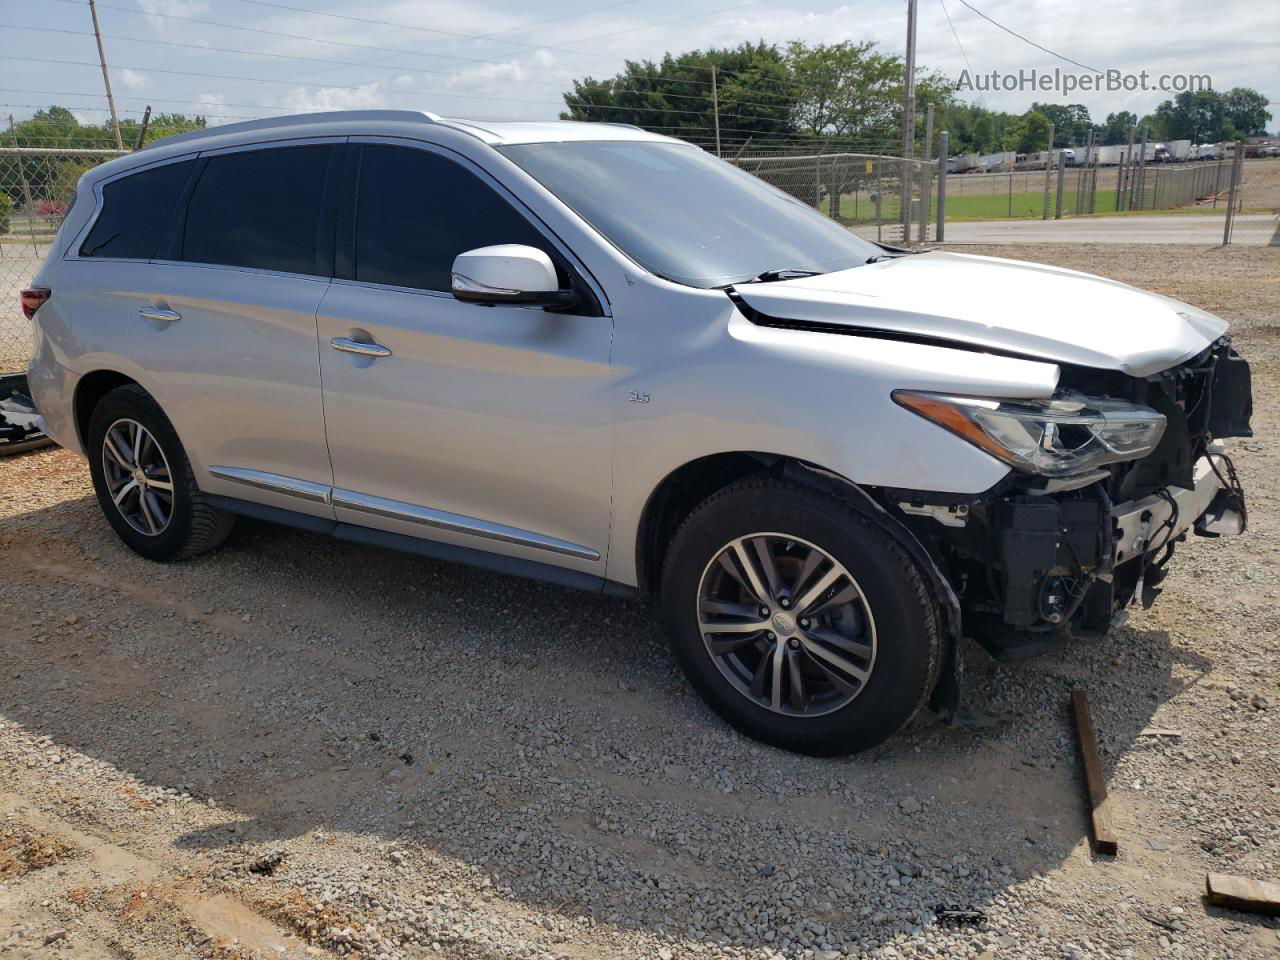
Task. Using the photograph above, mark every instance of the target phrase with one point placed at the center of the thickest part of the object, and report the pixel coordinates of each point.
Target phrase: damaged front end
(1108, 477)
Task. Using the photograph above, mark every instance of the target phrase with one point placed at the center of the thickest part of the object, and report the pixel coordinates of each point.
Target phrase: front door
(481, 427)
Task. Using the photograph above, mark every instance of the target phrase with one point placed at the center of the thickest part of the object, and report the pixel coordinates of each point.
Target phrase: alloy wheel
(786, 624)
(138, 477)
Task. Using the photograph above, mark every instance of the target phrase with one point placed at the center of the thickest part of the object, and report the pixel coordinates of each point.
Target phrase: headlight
(1054, 438)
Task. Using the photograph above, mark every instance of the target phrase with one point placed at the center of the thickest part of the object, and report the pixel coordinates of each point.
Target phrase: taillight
(33, 299)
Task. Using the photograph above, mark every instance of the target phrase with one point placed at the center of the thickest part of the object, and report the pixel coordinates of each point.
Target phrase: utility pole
(106, 76)
(908, 120)
(715, 106)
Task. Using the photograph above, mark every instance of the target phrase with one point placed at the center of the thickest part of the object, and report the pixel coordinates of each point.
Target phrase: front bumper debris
(1141, 526)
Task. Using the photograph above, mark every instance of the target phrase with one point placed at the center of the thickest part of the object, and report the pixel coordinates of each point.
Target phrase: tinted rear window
(135, 212)
(418, 210)
(259, 208)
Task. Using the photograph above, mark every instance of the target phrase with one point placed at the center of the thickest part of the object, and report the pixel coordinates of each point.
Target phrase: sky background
(513, 58)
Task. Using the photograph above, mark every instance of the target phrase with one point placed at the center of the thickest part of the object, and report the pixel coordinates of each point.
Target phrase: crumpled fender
(946, 700)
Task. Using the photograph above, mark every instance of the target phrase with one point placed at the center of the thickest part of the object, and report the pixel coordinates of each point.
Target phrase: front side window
(261, 209)
(135, 212)
(686, 216)
(416, 211)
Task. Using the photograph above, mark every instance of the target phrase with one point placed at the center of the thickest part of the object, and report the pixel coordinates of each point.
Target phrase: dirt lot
(298, 747)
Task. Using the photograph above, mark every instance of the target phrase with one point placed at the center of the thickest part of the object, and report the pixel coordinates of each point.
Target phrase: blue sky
(511, 59)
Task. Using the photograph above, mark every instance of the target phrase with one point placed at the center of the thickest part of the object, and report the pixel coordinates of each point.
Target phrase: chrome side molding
(398, 510)
(457, 523)
(275, 483)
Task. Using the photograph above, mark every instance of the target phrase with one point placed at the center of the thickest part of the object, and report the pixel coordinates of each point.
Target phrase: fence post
(833, 192)
(1048, 173)
(879, 198)
(1137, 188)
(1062, 176)
(1125, 182)
(1217, 175)
(1237, 161)
(926, 168)
(942, 186)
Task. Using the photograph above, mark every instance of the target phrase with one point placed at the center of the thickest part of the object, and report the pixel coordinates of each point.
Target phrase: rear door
(226, 328)
(487, 427)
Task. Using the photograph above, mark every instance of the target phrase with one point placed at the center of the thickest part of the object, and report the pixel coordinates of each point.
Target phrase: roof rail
(267, 123)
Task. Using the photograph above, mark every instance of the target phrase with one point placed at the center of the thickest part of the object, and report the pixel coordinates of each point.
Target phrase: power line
(398, 92)
(947, 14)
(409, 26)
(1014, 33)
(487, 36)
(400, 69)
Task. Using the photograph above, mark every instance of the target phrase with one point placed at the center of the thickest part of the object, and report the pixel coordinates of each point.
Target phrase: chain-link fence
(885, 198)
(881, 197)
(1254, 216)
(36, 185)
(866, 192)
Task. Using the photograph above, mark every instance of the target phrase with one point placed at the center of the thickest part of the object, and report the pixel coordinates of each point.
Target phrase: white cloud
(158, 11)
(131, 79)
(311, 99)
(498, 77)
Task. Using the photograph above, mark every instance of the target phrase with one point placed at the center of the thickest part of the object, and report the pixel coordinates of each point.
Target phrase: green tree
(1246, 111)
(1028, 134)
(1071, 122)
(1198, 117)
(1116, 129)
(53, 177)
(673, 96)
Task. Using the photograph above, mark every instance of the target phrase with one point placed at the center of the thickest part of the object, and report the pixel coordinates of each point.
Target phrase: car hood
(1001, 305)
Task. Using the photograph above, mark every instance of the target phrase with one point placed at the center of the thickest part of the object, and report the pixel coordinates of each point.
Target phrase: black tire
(906, 619)
(194, 525)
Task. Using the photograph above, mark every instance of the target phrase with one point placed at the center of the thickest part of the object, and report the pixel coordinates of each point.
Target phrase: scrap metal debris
(21, 426)
(958, 916)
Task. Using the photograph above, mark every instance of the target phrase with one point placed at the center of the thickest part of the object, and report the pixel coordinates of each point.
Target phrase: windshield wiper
(783, 273)
(882, 256)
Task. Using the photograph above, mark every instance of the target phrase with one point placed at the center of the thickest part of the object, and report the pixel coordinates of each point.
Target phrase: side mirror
(508, 273)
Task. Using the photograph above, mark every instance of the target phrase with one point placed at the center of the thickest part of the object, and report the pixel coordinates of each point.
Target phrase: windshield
(686, 215)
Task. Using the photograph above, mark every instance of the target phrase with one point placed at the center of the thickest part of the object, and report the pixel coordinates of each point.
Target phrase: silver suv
(604, 358)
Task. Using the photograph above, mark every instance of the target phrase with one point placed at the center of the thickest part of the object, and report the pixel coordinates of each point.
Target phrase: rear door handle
(355, 346)
(158, 315)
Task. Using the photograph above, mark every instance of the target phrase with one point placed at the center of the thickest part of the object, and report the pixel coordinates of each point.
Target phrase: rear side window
(418, 210)
(259, 208)
(135, 212)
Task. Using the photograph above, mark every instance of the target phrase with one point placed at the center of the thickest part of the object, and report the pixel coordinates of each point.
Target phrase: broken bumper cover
(1141, 526)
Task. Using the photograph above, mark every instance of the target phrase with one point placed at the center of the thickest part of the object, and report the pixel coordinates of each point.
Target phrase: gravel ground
(298, 747)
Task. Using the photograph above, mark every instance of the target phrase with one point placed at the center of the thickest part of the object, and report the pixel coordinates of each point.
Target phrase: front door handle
(159, 315)
(355, 346)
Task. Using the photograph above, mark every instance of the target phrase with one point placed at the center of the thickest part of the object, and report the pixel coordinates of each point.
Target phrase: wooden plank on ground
(1241, 893)
(1104, 837)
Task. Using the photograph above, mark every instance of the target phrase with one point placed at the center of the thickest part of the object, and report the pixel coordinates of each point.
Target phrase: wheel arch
(90, 389)
(688, 485)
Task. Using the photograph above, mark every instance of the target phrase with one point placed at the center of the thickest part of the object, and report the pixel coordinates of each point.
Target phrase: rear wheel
(798, 619)
(144, 481)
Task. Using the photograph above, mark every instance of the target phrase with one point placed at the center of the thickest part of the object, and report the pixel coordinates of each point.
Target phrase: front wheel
(798, 619)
